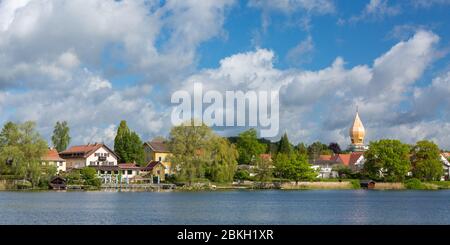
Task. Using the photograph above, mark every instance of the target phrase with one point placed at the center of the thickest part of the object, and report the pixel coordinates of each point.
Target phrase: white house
(121, 173)
(445, 165)
(89, 155)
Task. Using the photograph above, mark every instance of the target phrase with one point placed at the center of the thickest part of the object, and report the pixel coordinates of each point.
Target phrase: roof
(325, 157)
(128, 166)
(57, 177)
(158, 146)
(85, 150)
(347, 159)
(151, 165)
(354, 156)
(52, 155)
(106, 167)
(265, 156)
(341, 158)
(366, 181)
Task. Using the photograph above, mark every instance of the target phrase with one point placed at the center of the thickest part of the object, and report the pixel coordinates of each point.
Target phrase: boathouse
(57, 183)
(367, 184)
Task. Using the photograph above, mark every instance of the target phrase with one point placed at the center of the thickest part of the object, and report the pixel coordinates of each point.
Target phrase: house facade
(52, 158)
(121, 173)
(158, 151)
(155, 170)
(89, 155)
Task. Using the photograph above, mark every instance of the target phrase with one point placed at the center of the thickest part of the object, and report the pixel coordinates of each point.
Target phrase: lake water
(227, 207)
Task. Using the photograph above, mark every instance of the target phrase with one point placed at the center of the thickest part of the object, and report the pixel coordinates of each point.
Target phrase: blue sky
(98, 62)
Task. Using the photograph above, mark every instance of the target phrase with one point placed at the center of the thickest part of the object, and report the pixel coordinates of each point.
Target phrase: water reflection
(232, 207)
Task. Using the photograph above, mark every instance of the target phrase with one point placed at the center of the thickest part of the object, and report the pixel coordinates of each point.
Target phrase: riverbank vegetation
(203, 159)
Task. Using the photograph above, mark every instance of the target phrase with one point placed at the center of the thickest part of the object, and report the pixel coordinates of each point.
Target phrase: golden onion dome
(357, 131)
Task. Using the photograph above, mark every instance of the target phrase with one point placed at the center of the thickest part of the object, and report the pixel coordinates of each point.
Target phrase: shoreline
(285, 186)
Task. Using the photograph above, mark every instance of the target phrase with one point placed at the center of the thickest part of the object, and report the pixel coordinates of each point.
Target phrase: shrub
(242, 175)
(90, 176)
(355, 183)
(415, 184)
(23, 184)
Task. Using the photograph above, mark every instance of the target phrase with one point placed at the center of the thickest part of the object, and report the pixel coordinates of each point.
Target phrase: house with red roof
(155, 170)
(120, 173)
(325, 163)
(96, 154)
(52, 158)
(158, 151)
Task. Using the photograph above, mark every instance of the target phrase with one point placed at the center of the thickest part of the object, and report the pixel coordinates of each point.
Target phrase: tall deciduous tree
(189, 146)
(21, 147)
(294, 166)
(387, 159)
(128, 145)
(426, 162)
(61, 137)
(249, 148)
(223, 162)
(264, 169)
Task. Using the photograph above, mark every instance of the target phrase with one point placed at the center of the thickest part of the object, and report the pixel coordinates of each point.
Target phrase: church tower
(357, 133)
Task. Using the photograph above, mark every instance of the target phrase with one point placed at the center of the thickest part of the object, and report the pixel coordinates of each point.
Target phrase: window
(130, 171)
(116, 172)
(158, 172)
(160, 159)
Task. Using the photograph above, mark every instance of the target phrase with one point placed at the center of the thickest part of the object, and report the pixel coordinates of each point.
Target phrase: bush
(89, 175)
(415, 184)
(23, 184)
(355, 183)
(242, 175)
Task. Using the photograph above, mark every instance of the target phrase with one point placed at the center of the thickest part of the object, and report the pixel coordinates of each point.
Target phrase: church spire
(357, 131)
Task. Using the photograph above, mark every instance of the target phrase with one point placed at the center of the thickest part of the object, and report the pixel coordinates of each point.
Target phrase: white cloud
(301, 53)
(289, 6)
(319, 105)
(58, 59)
(375, 10)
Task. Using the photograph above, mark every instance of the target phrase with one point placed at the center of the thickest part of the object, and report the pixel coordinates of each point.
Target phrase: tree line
(199, 153)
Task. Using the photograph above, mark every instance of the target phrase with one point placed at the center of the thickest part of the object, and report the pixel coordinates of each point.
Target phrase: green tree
(61, 137)
(387, 159)
(248, 146)
(264, 169)
(189, 146)
(302, 148)
(426, 161)
(128, 145)
(295, 167)
(89, 175)
(223, 162)
(284, 146)
(122, 141)
(10, 135)
(197, 152)
(136, 151)
(316, 149)
(22, 147)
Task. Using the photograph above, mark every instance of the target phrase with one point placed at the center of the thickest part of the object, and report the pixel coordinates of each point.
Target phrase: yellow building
(158, 151)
